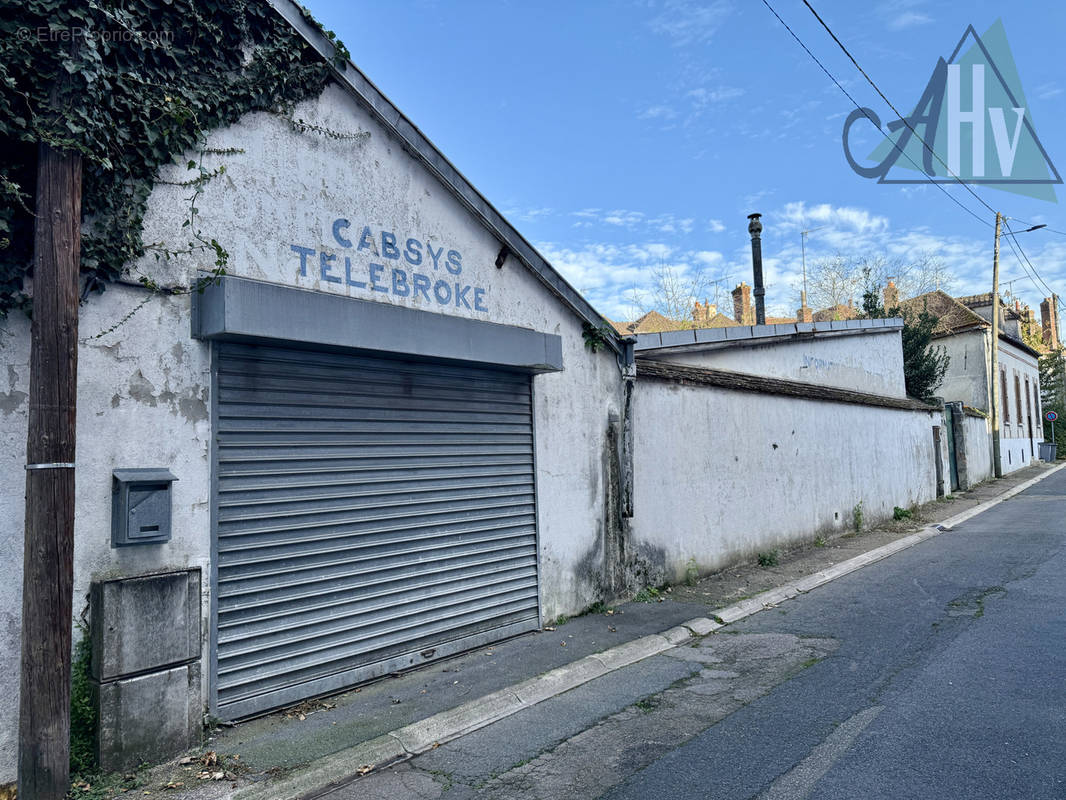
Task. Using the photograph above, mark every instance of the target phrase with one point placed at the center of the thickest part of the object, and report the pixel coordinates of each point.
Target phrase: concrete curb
(419, 737)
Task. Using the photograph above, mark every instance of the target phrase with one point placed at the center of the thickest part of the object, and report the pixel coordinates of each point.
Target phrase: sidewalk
(301, 750)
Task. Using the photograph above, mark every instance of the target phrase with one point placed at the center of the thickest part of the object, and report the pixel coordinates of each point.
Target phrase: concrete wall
(871, 361)
(977, 432)
(721, 474)
(144, 389)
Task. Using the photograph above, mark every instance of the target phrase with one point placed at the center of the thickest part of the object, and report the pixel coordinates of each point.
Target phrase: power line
(1014, 236)
(1035, 276)
(894, 143)
(902, 119)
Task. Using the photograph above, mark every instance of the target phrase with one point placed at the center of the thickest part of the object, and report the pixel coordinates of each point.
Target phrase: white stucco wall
(978, 448)
(966, 378)
(1020, 433)
(144, 389)
(143, 397)
(721, 475)
(866, 362)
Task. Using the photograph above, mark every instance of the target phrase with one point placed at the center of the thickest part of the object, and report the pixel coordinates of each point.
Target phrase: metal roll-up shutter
(372, 514)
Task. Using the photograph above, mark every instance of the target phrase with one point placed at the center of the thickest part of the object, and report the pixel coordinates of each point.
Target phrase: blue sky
(617, 136)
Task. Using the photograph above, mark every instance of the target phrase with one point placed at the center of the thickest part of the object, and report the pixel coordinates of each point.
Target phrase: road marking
(799, 781)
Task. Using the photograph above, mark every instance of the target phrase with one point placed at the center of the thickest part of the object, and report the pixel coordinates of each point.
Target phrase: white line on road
(799, 781)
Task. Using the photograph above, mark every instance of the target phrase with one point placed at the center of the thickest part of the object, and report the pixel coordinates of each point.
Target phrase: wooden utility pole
(48, 560)
(993, 398)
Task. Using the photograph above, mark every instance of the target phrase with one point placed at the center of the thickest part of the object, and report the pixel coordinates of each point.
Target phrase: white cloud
(800, 216)
(1048, 90)
(608, 272)
(687, 22)
(703, 96)
(908, 19)
(658, 112)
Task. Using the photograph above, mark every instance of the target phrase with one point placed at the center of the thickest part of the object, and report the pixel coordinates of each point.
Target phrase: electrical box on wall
(140, 506)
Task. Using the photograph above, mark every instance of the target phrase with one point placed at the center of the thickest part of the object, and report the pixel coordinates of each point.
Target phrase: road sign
(1051, 416)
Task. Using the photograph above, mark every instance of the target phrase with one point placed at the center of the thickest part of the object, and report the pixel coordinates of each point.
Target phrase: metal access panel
(371, 514)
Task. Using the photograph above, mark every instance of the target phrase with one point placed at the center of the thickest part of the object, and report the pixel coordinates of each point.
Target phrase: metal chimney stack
(755, 229)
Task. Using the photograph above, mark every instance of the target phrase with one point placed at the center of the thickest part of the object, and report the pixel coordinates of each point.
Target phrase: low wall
(977, 447)
(721, 474)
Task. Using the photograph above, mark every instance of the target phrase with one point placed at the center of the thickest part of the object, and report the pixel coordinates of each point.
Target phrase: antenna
(803, 248)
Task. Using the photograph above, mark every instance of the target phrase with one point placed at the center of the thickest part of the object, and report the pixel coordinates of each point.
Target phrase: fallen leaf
(302, 718)
(363, 770)
(549, 628)
(187, 760)
(562, 644)
(612, 629)
(217, 776)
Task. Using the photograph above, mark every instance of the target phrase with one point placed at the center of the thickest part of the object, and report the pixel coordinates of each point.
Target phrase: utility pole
(48, 558)
(994, 400)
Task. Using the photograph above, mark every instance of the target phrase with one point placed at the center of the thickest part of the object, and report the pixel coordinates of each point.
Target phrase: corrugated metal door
(371, 514)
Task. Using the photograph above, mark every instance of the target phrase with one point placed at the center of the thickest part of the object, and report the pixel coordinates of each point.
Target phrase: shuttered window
(372, 514)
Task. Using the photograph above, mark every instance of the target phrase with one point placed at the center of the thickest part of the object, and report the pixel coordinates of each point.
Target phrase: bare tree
(674, 290)
(836, 280)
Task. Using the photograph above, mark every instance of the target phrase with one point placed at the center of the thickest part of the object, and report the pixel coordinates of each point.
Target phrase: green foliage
(924, 364)
(901, 513)
(145, 82)
(820, 541)
(768, 558)
(594, 337)
(1053, 395)
(649, 594)
(857, 517)
(82, 710)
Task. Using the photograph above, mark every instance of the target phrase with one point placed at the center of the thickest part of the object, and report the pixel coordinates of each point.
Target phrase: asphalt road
(939, 672)
(949, 681)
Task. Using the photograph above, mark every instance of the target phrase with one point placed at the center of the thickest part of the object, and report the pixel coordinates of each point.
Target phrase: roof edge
(419, 145)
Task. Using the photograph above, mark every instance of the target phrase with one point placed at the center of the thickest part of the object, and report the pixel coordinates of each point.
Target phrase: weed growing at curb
(901, 513)
(768, 558)
(820, 542)
(649, 594)
(857, 517)
(692, 573)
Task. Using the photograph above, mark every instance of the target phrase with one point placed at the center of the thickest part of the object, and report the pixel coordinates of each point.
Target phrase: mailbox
(140, 506)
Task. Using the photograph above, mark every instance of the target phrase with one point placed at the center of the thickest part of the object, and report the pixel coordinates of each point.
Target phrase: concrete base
(148, 718)
(144, 623)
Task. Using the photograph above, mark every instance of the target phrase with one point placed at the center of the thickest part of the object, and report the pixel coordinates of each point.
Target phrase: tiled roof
(951, 314)
(837, 312)
(652, 322)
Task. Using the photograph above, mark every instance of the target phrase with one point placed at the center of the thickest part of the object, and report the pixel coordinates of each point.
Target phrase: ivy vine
(146, 80)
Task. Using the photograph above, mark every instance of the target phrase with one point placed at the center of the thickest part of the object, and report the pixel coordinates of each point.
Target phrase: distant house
(964, 330)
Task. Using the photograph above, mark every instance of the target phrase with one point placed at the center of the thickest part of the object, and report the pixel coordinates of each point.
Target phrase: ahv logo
(973, 122)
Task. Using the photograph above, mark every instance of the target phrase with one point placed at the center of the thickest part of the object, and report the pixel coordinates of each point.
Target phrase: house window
(1004, 400)
(1018, 397)
(1028, 401)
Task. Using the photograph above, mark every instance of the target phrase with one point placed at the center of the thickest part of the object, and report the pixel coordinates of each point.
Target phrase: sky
(623, 136)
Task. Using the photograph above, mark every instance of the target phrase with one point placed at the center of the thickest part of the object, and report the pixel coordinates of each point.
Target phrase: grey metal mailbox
(140, 506)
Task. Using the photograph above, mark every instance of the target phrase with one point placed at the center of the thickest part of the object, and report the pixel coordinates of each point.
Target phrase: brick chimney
(1049, 321)
(891, 296)
(742, 311)
(804, 314)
